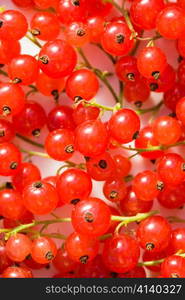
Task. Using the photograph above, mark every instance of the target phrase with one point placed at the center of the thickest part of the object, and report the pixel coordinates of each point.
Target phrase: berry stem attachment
(70, 164)
(103, 107)
(155, 108)
(33, 40)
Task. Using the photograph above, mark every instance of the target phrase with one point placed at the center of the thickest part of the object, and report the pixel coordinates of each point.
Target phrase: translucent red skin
(131, 205)
(120, 253)
(63, 263)
(123, 125)
(18, 247)
(149, 60)
(137, 272)
(62, 59)
(181, 72)
(173, 266)
(96, 28)
(46, 85)
(15, 103)
(91, 138)
(137, 91)
(9, 154)
(30, 118)
(172, 96)
(73, 184)
(60, 117)
(16, 272)
(109, 42)
(146, 139)
(181, 46)
(115, 185)
(78, 84)
(67, 12)
(99, 212)
(23, 3)
(5, 261)
(94, 269)
(149, 256)
(40, 248)
(178, 240)
(78, 246)
(75, 39)
(145, 185)
(40, 201)
(144, 13)
(169, 168)
(13, 19)
(167, 130)
(155, 230)
(180, 110)
(11, 205)
(7, 53)
(26, 218)
(126, 65)
(44, 4)
(172, 197)
(83, 113)
(26, 174)
(123, 165)
(56, 143)
(170, 22)
(7, 128)
(99, 172)
(23, 67)
(41, 21)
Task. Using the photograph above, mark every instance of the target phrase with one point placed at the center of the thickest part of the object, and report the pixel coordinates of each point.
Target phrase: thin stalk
(150, 109)
(27, 140)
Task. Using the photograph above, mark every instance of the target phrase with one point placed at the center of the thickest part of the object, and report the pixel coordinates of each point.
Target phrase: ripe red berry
(77, 34)
(57, 59)
(121, 253)
(30, 120)
(16, 272)
(173, 267)
(49, 86)
(82, 84)
(144, 13)
(44, 4)
(23, 3)
(91, 138)
(10, 159)
(18, 247)
(96, 28)
(123, 165)
(81, 248)
(7, 132)
(63, 263)
(73, 185)
(13, 25)
(137, 272)
(137, 91)
(84, 113)
(146, 140)
(172, 96)
(131, 205)
(94, 269)
(60, 117)
(150, 256)
(167, 130)
(170, 168)
(116, 39)
(43, 250)
(151, 62)
(177, 241)
(23, 69)
(11, 204)
(59, 144)
(8, 51)
(146, 185)
(40, 198)
(154, 234)
(124, 125)
(171, 22)
(180, 109)
(26, 174)
(126, 69)
(5, 261)
(172, 197)
(71, 10)
(40, 23)
(101, 167)
(12, 99)
(91, 217)
(114, 189)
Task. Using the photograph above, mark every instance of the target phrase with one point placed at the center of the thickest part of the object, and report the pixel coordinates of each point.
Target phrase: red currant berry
(124, 125)
(96, 28)
(114, 189)
(116, 39)
(60, 117)
(8, 51)
(44, 4)
(121, 253)
(5, 261)
(23, 3)
(177, 241)
(81, 248)
(7, 132)
(180, 110)
(11, 205)
(40, 198)
(172, 96)
(77, 34)
(43, 250)
(123, 165)
(91, 217)
(16, 272)
(84, 113)
(77, 86)
(150, 256)
(154, 234)
(91, 138)
(18, 247)
(172, 197)
(137, 272)
(126, 69)
(57, 59)
(73, 185)
(63, 263)
(94, 269)
(10, 159)
(49, 86)
(137, 91)
(173, 267)
(72, 10)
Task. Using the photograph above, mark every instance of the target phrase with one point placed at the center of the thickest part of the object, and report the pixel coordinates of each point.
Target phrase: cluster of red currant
(101, 246)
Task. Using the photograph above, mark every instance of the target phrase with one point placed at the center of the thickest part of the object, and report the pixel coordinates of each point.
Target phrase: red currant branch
(27, 140)
(33, 40)
(103, 107)
(156, 262)
(70, 164)
(150, 109)
(173, 219)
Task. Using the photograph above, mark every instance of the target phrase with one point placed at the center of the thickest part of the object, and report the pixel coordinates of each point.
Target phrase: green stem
(150, 109)
(174, 219)
(33, 40)
(3, 73)
(99, 74)
(103, 107)
(155, 262)
(113, 59)
(139, 217)
(35, 153)
(27, 140)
